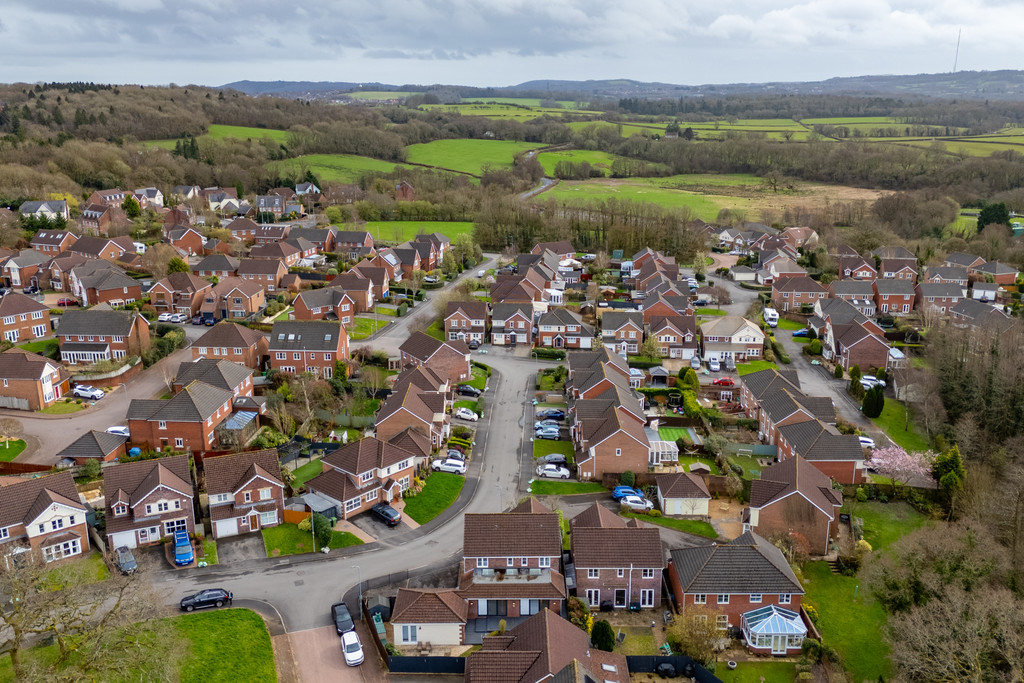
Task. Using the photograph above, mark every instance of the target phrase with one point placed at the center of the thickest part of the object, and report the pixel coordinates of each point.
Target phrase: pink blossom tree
(900, 466)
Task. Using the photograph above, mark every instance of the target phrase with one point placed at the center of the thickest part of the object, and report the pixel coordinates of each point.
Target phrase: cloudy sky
(499, 42)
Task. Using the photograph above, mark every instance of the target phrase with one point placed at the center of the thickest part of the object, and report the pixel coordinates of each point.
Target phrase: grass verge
(361, 328)
(479, 380)
(689, 526)
(542, 447)
(226, 645)
(436, 330)
(439, 491)
(61, 408)
(210, 550)
(11, 449)
(754, 366)
(543, 487)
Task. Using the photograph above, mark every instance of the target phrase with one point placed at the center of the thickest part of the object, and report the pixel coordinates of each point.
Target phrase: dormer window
(120, 510)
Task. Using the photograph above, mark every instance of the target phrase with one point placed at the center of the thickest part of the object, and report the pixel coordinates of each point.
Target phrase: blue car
(623, 491)
(551, 414)
(803, 332)
(182, 548)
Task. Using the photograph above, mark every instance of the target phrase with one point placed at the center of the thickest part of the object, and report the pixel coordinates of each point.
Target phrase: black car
(458, 455)
(553, 459)
(31, 289)
(466, 390)
(386, 514)
(211, 597)
(342, 618)
(126, 560)
(197, 320)
(473, 344)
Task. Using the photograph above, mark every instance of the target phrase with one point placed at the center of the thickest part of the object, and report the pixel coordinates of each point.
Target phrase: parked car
(802, 332)
(430, 280)
(551, 435)
(183, 554)
(210, 597)
(86, 391)
(126, 560)
(553, 459)
(553, 471)
(636, 503)
(546, 423)
(456, 455)
(180, 318)
(352, 648)
(622, 491)
(871, 380)
(386, 514)
(120, 430)
(700, 302)
(467, 390)
(695, 362)
(342, 618)
(466, 414)
(164, 317)
(67, 301)
(551, 414)
(866, 442)
(714, 365)
(457, 448)
(197, 320)
(724, 382)
(473, 344)
(449, 465)
(209, 322)
(31, 289)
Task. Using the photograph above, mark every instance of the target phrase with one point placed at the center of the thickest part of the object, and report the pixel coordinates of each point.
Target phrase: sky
(499, 42)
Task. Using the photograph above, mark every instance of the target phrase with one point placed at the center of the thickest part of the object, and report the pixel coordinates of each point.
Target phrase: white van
(481, 273)
(771, 316)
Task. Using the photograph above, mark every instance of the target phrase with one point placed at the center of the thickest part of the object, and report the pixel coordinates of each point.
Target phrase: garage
(123, 539)
(225, 527)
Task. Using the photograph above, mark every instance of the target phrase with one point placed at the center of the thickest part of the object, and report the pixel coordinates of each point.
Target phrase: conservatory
(773, 629)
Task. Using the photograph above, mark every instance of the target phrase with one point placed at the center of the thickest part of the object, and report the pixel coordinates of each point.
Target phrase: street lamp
(360, 571)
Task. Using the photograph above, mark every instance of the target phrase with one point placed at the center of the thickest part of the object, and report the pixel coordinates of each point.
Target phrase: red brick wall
(250, 356)
(24, 323)
(795, 513)
(843, 471)
(634, 457)
(608, 581)
(195, 435)
(450, 363)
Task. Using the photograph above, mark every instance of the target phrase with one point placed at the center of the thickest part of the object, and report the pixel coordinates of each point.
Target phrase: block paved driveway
(318, 657)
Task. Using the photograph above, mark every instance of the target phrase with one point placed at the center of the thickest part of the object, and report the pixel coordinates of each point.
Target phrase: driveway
(318, 657)
(240, 548)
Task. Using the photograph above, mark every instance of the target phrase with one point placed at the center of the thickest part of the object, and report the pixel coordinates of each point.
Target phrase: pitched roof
(638, 547)
(855, 288)
(941, 289)
(475, 310)
(816, 441)
(335, 484)
(217, 262)
(995, 268)
(132, 481)
(425, 606)
(252, 266)
(501, 312)
(184, 282)
(195, 403)
(614, 320)
(748, 564)
(729, 326)
(946, 273)
(895, 287)
(308, 335)
(97, 320)
(230, 335)
(681, 485)
(597, 516)
(361, 456)
(512, 534)
(799, 283)
(422, 346)
(51, 237)
(16, 303)
(228, 473)
(795, 475)
(413, 441)
(22, 502)
(215, 372)
(960, 258)
(93, 444)
(112, 278)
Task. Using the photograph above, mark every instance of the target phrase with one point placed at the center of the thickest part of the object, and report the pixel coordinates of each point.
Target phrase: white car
(180, 318)
(466, 414)
(164, 317)
(714, 365)
(867, 381)
(553, 471)
(352, 648)
(636, 503)
(120, 430)
(449, 465)
(86, 391)
(866, 442)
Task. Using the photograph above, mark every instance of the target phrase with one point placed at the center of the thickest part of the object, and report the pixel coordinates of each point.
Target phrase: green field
(601, 160)
(467, 156)
(220, 132)
(402, 231)
(704, 207)
(379, 94)
(340, 168)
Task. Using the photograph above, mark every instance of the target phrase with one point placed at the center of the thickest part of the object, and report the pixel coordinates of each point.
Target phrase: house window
(593, 573)
(163, 506)
(593, 597)
(120, 510)
(618, 451)
(647, 597)
(545, 562)
(408, 633)
(351, 505)
(722, 621)
(247, 496)
(755, 597)
(281, 355)
(179, 442)
(523, 562)
(701, 618)
(268, 518)
(510, 562)
(481, 562)
(238, 352)
(4, 532)
(161, 424)
(700, 599)
(296, 356)
(57, 524)
(265, 494)
(219, 498)
(620, 573)
(647, 573)
(784, 598)
(372, 495)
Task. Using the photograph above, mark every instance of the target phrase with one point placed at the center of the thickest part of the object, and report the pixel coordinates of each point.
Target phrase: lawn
(226, 645)
(361, 328)
(386, 310)
(754, 366)
(306, 472)
(711, 311)
(547, 487)
(757, 672)
(39, 346)
(886, 523)
(690, 526)
(479, 380)
(851, 620)
(639, 641)
(402, 231)
(892, 421)
(343, 539)
(283, 315)
(673, 433)
(338, 168)
(11, 450)
(542, 447)
(62, 408)
(751, 468)
(436, 329)
(786, 324)
(439, 491)
(467, 156)
(464, 404)
(88, 569)
(209, 551)
(287, 539)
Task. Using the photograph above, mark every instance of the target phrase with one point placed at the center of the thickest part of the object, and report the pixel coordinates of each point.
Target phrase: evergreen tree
(177, 265)
(993, 214)
(602, 636)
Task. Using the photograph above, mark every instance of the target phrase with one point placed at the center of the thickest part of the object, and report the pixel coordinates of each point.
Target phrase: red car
(724, 382)
(67, 302)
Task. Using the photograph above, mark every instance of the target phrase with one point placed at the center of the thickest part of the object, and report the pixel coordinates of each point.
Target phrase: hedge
(659, 392)
(780, 352)
(550, 354)
(641, 363)
(485, 368)
(690, 406)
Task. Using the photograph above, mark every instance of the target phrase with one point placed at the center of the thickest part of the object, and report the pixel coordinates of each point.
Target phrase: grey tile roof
(895, 287)
(960, 258)
(218, 373)
(99, 319)
(748, 564)
(305, 335)
(251, 266)
(941, 289)
(103, 280)
(194, 403)
(217, 262)
(857, 288)
(614, 320)
(816, 441)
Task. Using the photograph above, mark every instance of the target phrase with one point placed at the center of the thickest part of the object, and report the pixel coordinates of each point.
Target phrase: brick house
(449, 359)
(44, 514)
(856, 268)
(858, 293)
(243, 229)
(561, 328)
(25, 268)
(148, 500)
(440, 241)
(611, 441)
(956, 275)
(107, 248)
(94, 445)
(52, 242)
(839, 456)
(761, 383)
(562, 249)
(101, 333)
(779, 407)
(361, 290)
(217, 265)
(378, 278)
(898, 269)
(314, 346)
(734, 578)
(941, 296)
(363, 473)
(185, 422)
(994, 271)
(791, 293)
(617, 561)
(963, 260)
(511, 324)
(419, 402)
(270, 203)
(22, 318)
(324, 239)
(284, 252)
(37, 380)
(326, 303)
(232, 298)
(351, 242)
(179, 293)
(622, 332)
(858, 344)
(732, 337)
(676, 335)
(793, 496)
(510, 563)
(114, 197)
(246, 492)
(660, 304)
(109, 285)
(223, 374)
(266, 273)
(466, 320)
(894, 297)
(58, 270)
(187, 240)
(268, 234)
(236, 343)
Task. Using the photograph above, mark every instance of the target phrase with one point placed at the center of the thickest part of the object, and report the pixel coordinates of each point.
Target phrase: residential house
(794, 497)
(734, 579)
(562, 249)
(427, 254)
(149, 197)
(449, 359)
(326, 303)
(994, 271)
(378, 278)
(186, 240)
(233, 298)
(52, 242)
(622, 331)
(58, 270)
(676, 335)
(25, 268)
(359, 288)
(732, 337)
(52, 209)
(618, 563)
(98, 218)
(324, 239)
(268, 234)
(244, 229)
(148, 500)
(185, 422)
(980, 316)
(283, 252)
(956, 275)
(466, 320)
(233, 342)
(246, 492)
(314, 346)
(424, 615)
(270, 203)
(45, 515)
(266, 273)
(31, 381)
(858, 293)
(660, 304)
(792, 293)
(408, 260)
(612, 439)
(101, 333)
(440, 241)
(217, 265)
(179, 293)
(352, 241)
(797, 237)
(561, 328)
(223, 374)
(856, 268)
(304, 189)
(840, 456)
(114, 197)
(419, 402)
(522, 289)
(898, 253)
(184, 192)
(847, 336)
(963, 260)
(104, 285)
(23, 319)
(511, 324)
(940, 296)
(683, 493)
(899, 269)
(93, 445)
(763, 382)
(510, 563)
(363, 473)
(107, 248)
(894, 297)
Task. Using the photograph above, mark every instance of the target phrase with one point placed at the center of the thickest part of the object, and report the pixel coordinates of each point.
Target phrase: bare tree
(157, 257)
(374, 379)
(718, 295)
(695, 634)
(10, 429)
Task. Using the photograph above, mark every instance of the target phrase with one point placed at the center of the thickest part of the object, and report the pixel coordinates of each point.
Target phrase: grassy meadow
(220, 132)
(401, 231)
(337, 168)
(467, 156)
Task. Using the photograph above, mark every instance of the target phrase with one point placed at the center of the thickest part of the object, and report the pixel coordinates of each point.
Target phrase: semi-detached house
(44, 515)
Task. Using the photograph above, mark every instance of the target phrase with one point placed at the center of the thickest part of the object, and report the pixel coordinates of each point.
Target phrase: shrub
(91, 469)
(392, 649)
(690, 406)
(550, 354)
(874, 401)
(838, 373)
(627, 478)
(811, 648)
(862, 495)
(402, 310)
(814, 347)
(579, 615)
(602, 636)
(654, 513)
(812, 612)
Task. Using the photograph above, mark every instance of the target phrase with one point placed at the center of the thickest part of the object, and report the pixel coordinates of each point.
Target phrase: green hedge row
(550, 354)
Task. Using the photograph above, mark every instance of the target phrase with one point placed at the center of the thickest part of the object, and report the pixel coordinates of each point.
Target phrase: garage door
(225, 528)
(122, 539)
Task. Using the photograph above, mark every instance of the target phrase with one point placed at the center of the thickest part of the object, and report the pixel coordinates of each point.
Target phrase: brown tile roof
(22, 502)
(475, 310)
(19, 364)
(681, 485)
(228, 473)
(336, 485)
(795, 475)
(230, 335)
(617, 548)
(184, 282)
(368, 453)
(425, 606)
(531, 504)
(412, 441)
(129, 482)
(597, 516)
(216, 372)
(17, 303)
(512, 534)
(420, 346)
(800, 283)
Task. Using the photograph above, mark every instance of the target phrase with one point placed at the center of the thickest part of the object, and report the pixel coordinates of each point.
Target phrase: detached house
(31, 381)
(963, 260)
(52, 242)
(792, 293)
(899, 269)
(236, 343)
(363, 473)
(109, 285)
(179, 293)
(22, 318)
(217, 265)
(840, 456)
(561, 328)
(425, 615)
(308, 346)
(894, 297)
(185, 422)
(676, 335)
(266, 273)
(466, 320)
(246, 492)
(419, 403)
(449, 359)
(107, 248)
(25, 268)
(622, 332)
(101, 333)
(858, 293)
(52, 209)
(994, 271)
(45, 515)
(232, 298)
(93, 445)
(511, 324)
(856, 268)
(148, 500)
(732, 337)
(326, 303)
(941, 296)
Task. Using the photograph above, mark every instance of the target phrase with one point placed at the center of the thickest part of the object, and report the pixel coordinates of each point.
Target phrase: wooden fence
(294, 516)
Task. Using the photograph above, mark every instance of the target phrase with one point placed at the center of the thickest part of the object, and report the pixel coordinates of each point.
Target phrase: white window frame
(700, 599)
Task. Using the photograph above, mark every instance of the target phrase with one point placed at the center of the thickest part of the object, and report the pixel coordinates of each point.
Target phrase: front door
(620, 597)
(254, 522)
(778, 645)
